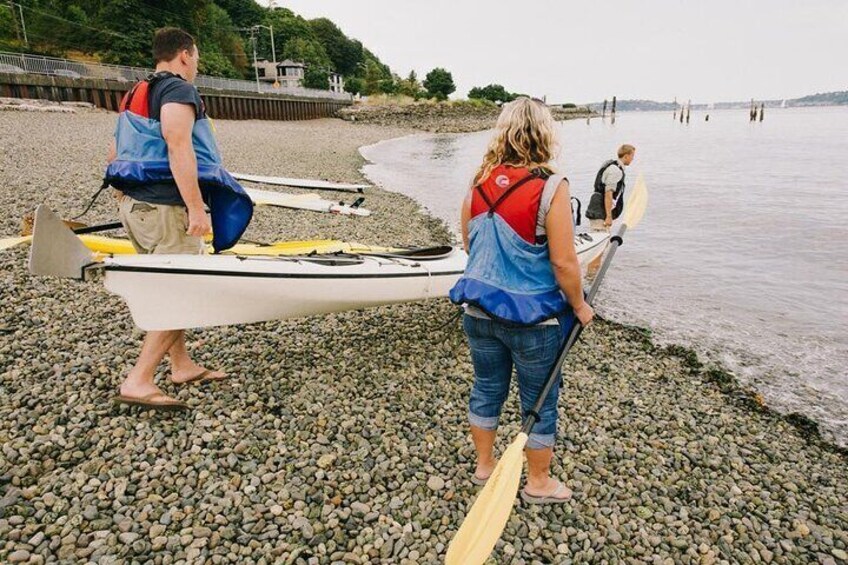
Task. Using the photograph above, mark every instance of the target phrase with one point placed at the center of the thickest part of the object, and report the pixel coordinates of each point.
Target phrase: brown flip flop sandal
(200, 378)
(551, 498)
(147, 401)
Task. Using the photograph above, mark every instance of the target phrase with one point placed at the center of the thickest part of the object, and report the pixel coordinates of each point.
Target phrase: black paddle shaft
(101, 227)
(574, 334)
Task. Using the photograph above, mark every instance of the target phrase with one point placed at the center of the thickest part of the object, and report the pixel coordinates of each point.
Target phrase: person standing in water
(607, 201)
(521, 289)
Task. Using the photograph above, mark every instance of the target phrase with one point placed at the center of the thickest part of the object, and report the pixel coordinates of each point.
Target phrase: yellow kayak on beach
(105, 246)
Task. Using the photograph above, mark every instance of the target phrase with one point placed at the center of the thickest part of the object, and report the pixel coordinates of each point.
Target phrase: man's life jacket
(596, 209)
(509, 274)
(142, 158)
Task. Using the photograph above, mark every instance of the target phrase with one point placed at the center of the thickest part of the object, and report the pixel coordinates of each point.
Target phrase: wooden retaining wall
(220, 104)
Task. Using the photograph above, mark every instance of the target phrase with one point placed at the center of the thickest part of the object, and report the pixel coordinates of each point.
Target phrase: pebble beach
(343, 439)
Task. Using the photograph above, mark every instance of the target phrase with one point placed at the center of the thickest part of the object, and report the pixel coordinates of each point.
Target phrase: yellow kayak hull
(116, 246)
(103, 246)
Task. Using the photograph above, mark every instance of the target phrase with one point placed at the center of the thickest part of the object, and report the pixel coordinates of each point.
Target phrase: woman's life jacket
(509, 274)
(596, 209)
(142, 158)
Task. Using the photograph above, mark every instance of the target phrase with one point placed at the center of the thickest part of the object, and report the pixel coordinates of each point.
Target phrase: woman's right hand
(584, 313)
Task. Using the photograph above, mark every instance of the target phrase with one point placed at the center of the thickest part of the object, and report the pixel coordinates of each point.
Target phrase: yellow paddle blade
(9, 242)
(486, 520)
(635, 206)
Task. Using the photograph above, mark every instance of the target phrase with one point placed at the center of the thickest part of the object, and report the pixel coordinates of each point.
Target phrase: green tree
(439, 83)
(373, 76)
(354, 85)
(243, 13)
(389, 85)
(410, 85)
(316, 77)
(307, 51)
(221, 49)
(344, 53)
(493, 93)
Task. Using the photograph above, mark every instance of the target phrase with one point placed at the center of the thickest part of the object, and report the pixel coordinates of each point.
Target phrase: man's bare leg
(182, 367)
(139, 381)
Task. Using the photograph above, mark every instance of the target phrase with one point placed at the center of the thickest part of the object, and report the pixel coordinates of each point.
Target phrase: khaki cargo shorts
(158, 228)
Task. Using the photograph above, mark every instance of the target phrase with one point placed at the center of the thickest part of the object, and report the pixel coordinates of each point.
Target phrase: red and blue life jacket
(509, 274)
(142, 158)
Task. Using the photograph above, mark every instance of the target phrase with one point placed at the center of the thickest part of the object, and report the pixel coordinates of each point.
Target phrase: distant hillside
(823, 99)
(839, 98)
(120, 31)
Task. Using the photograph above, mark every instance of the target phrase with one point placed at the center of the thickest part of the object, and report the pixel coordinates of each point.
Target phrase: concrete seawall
(221, 104)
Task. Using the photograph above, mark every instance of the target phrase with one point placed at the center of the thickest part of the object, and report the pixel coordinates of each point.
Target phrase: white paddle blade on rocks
(10, 242)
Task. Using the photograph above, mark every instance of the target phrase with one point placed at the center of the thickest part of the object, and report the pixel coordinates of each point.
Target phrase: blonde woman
(522, 286)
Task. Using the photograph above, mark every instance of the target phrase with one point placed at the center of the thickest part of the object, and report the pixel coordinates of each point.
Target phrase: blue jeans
(495, 349)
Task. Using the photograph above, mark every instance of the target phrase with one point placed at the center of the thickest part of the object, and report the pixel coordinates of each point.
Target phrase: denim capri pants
(495, 349)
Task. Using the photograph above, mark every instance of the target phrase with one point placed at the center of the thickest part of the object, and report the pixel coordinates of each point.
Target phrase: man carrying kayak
(607, 201)
(161, 160)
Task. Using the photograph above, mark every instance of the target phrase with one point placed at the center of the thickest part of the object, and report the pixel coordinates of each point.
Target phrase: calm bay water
(743, 254)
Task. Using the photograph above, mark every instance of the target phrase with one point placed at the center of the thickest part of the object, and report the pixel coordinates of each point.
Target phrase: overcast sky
(709, 51)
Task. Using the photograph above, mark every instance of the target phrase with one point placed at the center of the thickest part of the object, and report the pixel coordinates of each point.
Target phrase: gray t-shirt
(612, 176)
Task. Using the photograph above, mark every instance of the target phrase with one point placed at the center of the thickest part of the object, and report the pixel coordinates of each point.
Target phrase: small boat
(302, 183)
(311, 202)
(167, 292)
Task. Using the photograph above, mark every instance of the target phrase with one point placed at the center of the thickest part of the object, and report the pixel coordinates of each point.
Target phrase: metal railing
(38, 64)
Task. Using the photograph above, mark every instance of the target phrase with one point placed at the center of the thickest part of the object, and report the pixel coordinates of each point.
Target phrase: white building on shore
(290, 74)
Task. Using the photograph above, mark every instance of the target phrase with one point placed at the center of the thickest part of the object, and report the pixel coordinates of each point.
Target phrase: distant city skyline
(585, 52)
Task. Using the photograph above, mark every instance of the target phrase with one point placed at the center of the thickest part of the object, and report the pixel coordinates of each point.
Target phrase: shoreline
(343, 438)
(712, 371)
(441, 117)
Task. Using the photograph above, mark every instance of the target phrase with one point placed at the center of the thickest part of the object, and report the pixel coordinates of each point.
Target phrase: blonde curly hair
(525, 136)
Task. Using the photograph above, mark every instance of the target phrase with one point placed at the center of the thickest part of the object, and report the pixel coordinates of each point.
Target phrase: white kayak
(302, 183)
(178, 291)
(183, 291)
(311, 202)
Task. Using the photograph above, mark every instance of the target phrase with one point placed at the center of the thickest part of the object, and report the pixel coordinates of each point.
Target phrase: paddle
(9, 242)
(487, 518)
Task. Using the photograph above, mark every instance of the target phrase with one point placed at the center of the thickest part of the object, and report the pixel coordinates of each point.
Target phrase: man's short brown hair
(169, 42)
(625, 149)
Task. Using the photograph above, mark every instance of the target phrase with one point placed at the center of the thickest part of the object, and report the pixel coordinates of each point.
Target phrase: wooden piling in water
(762, 110)
(604, 111)
(688, 109)
(612, 112)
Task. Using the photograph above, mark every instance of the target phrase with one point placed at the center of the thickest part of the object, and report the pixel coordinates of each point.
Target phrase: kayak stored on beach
(301, 183)
(311, 202)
